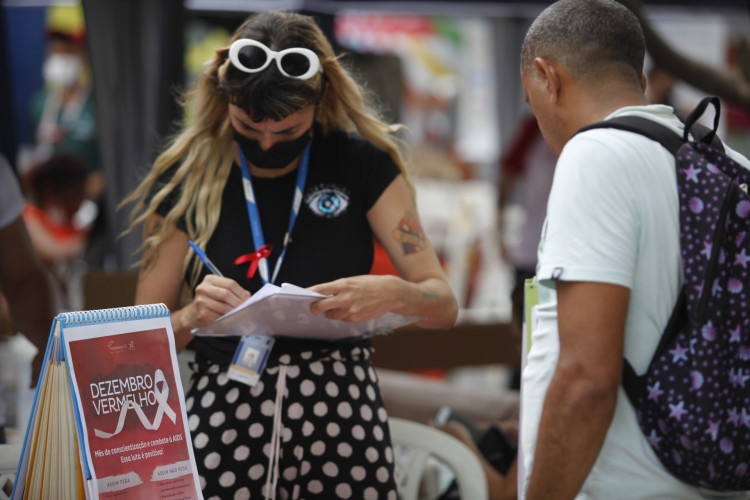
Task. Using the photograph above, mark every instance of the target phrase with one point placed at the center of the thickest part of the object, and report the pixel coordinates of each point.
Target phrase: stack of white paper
(285, 311)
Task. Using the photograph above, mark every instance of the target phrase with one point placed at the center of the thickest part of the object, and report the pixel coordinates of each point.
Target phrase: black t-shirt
(331, 239)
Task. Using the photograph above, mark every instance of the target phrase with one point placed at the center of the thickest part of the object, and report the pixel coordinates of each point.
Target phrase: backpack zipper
(732, 194)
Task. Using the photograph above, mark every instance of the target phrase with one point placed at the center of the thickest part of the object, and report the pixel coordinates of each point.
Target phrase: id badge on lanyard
(253, 351)
(250, 359)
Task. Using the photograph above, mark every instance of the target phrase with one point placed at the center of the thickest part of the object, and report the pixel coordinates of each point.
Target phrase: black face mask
(277, 156)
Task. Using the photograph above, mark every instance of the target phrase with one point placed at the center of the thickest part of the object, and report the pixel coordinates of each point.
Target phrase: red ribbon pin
(254, 259)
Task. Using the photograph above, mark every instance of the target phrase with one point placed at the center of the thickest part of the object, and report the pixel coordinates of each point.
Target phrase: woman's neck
(268, 173)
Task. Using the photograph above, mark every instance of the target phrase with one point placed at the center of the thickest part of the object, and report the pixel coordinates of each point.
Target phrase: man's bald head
(591, 39)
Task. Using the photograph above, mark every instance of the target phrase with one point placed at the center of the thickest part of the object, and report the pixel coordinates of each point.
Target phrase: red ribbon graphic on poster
(163, 409)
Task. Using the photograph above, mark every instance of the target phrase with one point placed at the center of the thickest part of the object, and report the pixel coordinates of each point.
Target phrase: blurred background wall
(446, 69)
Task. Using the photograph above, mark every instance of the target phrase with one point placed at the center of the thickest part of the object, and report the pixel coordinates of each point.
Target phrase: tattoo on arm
(147, 265)
(409, 233)
(430, 294)
(153, 226)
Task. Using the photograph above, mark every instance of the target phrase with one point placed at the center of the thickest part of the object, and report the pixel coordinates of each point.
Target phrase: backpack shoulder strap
(643, 126)
(657, 132)
(703, 134)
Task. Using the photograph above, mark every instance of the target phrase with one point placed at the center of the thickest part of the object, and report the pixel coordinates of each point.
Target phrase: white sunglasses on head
(252, 56)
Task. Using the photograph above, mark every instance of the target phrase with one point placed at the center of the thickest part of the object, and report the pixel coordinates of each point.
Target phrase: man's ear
(644, 83)
(549, 75)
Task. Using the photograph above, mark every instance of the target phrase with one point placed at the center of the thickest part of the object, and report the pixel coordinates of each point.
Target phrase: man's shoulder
(660, 114)
(657, 113)
(619, 144)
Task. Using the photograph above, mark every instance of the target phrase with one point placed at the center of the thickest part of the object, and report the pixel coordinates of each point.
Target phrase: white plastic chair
(10, 454)
(422, 442)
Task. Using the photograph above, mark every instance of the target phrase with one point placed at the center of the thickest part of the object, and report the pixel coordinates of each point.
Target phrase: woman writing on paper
(284, 174)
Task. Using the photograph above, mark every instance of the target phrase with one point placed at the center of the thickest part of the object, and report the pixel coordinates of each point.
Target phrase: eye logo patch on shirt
(327, 201)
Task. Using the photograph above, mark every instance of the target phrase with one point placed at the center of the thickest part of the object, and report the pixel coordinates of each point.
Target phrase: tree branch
(729, 84)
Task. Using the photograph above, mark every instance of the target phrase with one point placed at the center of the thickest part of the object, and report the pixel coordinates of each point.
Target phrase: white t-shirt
(612, 218)
(11, 200)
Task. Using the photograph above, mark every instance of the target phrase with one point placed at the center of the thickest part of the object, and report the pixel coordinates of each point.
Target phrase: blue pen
(204, 258)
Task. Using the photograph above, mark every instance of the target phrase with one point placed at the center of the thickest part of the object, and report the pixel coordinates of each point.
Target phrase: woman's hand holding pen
(214, 296)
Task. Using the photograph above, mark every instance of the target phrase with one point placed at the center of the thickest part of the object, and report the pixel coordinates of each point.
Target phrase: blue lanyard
(252, 211)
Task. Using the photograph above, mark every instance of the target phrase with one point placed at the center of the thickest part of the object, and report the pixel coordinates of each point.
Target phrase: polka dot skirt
(334, 434)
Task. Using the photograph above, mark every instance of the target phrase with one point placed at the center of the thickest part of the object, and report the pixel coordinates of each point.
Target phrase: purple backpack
(693, 402)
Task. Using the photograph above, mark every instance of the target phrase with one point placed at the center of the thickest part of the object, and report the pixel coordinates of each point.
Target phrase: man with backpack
(610, 274)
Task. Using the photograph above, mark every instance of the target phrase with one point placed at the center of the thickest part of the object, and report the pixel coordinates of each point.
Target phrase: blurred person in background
(660, 89)
(64, 116)
(527, 168)
(660, 86)
(58, 218)
(27, 298)
(63, 110)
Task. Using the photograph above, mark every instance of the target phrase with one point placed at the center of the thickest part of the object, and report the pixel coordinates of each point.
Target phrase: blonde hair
(203, 149)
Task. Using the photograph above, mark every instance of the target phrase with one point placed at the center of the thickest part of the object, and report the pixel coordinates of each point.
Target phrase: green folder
(530, 299)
